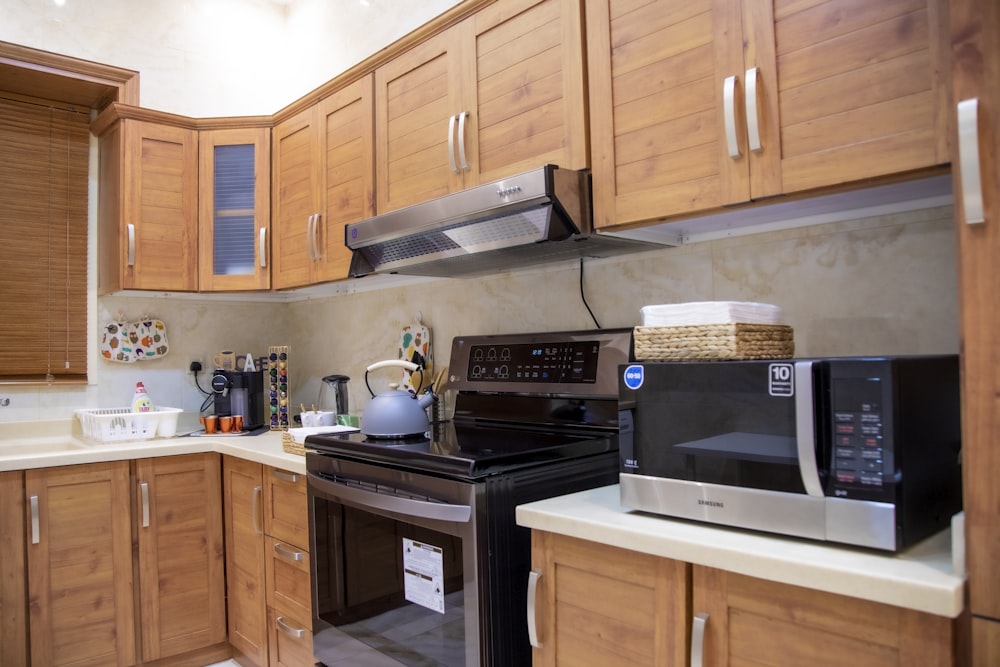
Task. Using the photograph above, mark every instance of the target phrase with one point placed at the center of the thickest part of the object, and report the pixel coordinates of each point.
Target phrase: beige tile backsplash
(882, 285)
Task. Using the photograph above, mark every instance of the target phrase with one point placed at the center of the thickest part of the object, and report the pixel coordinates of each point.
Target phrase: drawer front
(290, 641)
(287, 572)
(286, 514)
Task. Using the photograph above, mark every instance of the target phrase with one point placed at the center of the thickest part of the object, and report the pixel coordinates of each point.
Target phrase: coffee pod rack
(277, 370)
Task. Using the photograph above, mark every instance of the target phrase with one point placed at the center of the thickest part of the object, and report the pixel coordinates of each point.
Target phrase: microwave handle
(412, 507)
(805, 428)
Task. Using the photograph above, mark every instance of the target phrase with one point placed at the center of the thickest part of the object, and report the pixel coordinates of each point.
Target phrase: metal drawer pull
(968, 161)
(451, 144)
(533, 578)
(729, 113)
(698, 639)
(261, 246)
(256, 511)
(753, 130)
(463, 163)
(288, 554)
(298, 633)
(33, 501)
(285, 476)
(144, 491)
(131, 244)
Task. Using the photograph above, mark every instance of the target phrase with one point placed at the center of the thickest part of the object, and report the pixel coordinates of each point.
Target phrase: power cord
(583, 297)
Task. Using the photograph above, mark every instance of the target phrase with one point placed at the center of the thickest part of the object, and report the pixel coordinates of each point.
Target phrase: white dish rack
(123, 425)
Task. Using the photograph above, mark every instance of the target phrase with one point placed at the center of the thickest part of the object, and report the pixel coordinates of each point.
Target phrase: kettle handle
(402, 363)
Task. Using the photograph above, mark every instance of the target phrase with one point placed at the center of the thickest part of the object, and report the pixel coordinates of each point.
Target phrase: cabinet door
(600, 605)
(348, 174)
(296, 199)
(80, 583)
(657, 74)
(234, 209)
(975, 25)
(529, 93)
(286, 510)
(243, 489)
(761, 622)
(13, 593)
(181, 557)
(850, 90)
(417, 95)
(160, 204)
(291, 641)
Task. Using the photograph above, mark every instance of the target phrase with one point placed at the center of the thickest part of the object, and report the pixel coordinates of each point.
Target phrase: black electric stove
(421, 533)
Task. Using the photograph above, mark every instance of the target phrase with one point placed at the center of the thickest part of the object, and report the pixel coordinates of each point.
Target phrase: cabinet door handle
(285, 476)
(533, 578)
(451, 144)
(131, 244)
(298, 633)
(698, 639)
(261, 246)
(256, 510)
(309, 236)
(729, 113)
(463, 164)
(288, 554)
(968, 161)
(144, 492)
(315, 236)
(753, 128)
(33, 501)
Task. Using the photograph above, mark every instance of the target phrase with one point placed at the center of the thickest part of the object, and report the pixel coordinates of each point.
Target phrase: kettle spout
(425, 399)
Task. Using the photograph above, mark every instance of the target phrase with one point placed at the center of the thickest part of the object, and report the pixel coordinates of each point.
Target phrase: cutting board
(415, 346)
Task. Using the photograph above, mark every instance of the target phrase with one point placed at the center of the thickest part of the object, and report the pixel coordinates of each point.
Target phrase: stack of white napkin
(710, 312)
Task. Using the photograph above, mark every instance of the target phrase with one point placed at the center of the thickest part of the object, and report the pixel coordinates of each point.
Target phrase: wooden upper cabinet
(323, 178)
(182, 585)
(80, 582)
(499, 93)
(234, 209)
(706, 103)
(148, 210)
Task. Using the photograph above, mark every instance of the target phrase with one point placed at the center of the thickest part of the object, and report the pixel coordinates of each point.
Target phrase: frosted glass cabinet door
(234, 243)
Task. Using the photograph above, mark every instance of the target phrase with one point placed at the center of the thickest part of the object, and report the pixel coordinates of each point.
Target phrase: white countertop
(32, 440)
(920, 578)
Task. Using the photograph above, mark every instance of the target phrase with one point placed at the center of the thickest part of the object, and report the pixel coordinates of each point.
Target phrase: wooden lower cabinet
(267, 539)
(125, 568)
(13, 588)
(602, 605)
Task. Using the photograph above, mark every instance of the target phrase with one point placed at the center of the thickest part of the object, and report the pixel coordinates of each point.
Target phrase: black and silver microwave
(860, 450)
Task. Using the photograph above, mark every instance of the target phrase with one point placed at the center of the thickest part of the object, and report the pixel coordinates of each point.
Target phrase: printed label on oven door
(423, 575)
(781, 380)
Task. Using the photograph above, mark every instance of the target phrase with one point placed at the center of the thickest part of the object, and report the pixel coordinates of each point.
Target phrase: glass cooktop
(466, 450)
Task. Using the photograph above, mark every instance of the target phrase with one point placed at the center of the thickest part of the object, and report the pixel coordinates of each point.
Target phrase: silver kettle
(396, 413)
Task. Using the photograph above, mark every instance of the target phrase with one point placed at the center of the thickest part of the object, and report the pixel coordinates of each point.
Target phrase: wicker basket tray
(289, 445)
(714, 341)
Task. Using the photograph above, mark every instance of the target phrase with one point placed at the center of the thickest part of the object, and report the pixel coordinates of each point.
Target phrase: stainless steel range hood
(537, 217)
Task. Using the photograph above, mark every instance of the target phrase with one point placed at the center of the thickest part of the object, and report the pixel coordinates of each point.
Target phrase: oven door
(393, 566)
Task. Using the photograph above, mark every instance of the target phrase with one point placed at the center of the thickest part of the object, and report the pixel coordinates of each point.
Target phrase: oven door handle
(407, 506)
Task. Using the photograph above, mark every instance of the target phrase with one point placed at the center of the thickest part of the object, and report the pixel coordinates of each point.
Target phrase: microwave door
(805, 428)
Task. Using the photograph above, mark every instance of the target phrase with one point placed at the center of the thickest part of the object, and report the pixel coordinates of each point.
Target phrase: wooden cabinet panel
(243, 488)
(160, 200)
(415, 96)
(291, 642)
(755, 621)
(288, 587)
(80, 569)
(844, 91)
(13, 589)
(286, 514)
(600, 605)
(181, 555)
(234, 210)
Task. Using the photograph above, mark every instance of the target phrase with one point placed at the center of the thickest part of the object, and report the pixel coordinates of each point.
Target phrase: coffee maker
(240, 393)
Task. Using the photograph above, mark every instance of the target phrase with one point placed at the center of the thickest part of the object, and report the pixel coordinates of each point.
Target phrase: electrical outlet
(4, 402)
(195, 366)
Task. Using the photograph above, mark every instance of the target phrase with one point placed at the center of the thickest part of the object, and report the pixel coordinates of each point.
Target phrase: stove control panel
(554, 362)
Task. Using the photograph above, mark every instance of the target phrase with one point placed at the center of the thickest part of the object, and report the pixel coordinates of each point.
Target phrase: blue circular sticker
(634, 376)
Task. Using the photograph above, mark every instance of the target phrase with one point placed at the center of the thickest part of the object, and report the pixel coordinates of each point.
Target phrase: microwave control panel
(861, 456)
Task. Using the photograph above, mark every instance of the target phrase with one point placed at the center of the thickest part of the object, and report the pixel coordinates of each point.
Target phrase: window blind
(43, 241)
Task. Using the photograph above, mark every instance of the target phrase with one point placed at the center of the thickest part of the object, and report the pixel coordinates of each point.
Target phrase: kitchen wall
(869, 286)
